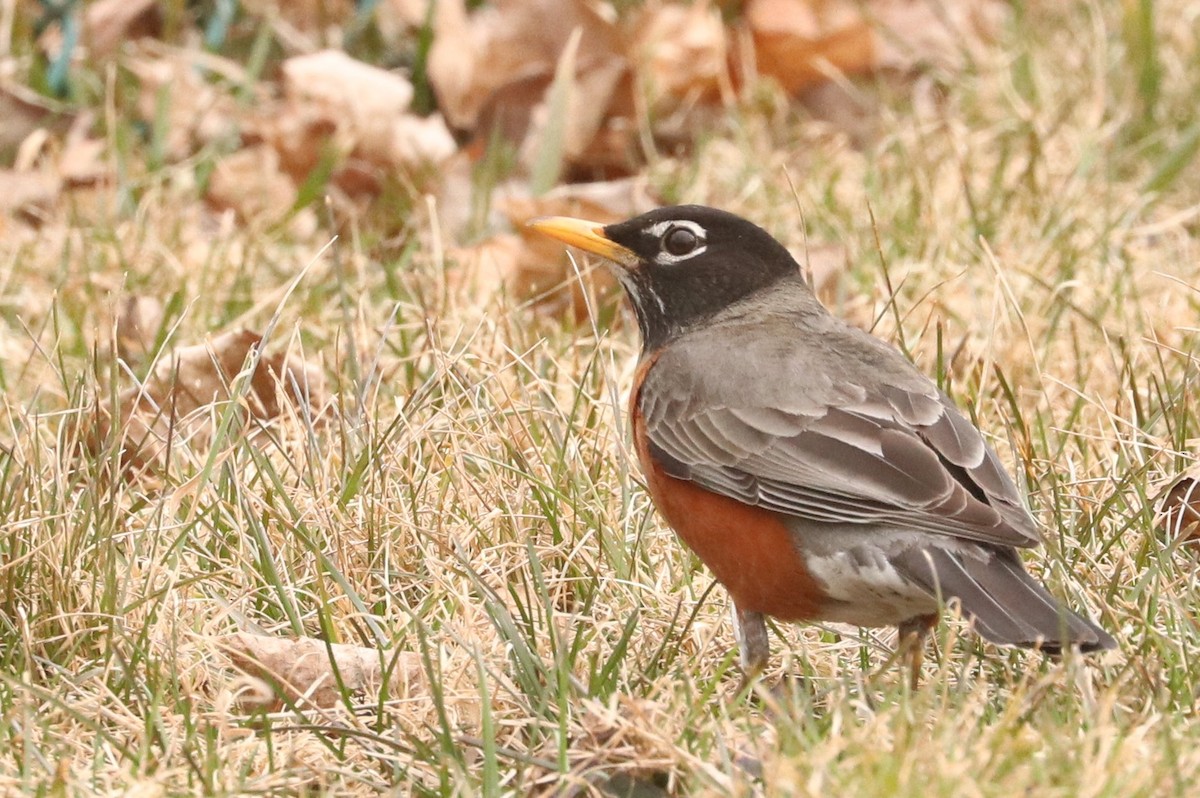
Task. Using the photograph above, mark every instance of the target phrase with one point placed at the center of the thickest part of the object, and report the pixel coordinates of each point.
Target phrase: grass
(473, 498)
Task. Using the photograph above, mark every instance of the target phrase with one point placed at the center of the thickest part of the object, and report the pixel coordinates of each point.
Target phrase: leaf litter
(177, 407)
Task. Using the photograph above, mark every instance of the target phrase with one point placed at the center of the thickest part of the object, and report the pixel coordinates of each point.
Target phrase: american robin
(811, 466)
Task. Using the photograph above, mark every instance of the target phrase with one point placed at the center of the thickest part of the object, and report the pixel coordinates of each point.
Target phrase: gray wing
(791, 427)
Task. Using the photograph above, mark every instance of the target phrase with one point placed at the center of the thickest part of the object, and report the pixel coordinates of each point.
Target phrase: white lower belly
(865, 590)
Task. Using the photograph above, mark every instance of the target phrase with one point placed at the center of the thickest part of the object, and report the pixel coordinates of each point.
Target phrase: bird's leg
(754, 648)
(911, 644)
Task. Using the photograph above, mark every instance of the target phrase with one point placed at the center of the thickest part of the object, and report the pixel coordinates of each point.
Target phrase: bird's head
(681, 264)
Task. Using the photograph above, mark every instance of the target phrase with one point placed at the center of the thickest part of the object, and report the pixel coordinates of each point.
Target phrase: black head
(681, 264)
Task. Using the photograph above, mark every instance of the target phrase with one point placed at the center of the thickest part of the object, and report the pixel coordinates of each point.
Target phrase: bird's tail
(1007, 605)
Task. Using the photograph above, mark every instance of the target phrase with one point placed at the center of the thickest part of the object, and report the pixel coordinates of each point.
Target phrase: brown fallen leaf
(29, 194)
(397, 19)
(491, 69)
(302, 670)
(528, 266)
(24, 111)
(299, 133)
(192, 112)
(575, 80)
(800, 43)
(846, 109)
(1178, 507)
(137, 326)
(526, 270)
(304, 24)
(105, 26)
(587, 92)
(174, 404)
(419, 141)
(82, 161)
(252, 184)
(361, 99)
(108, 23)
(508, 112)
(330, 99)
(909, 33)
(797, 42)
(492, 265)
(679, 54)
(619, 747)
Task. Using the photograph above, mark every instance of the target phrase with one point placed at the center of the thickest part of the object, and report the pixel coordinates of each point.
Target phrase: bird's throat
(648, 306)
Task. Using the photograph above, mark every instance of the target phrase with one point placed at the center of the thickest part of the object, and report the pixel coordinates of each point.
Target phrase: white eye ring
(657, 231)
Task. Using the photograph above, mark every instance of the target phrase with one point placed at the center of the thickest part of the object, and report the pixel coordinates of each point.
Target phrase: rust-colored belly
(748, 549)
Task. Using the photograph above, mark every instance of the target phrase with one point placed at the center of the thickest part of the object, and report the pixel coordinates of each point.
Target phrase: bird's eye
(679, 241)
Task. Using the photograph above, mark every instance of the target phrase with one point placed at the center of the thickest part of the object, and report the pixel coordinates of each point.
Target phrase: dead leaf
(171, 406)
(82, 161)
(302, 669)
(137, 327)
(623, 745)
(679, 54)
(192, 112)
(251, 183)
(508, 112)
(397, 19)
(304, 24)
(1178, 507)
(298, 133)
(798, 42)
(361, 98)
(518, 43)
(801, 42)
(418, 141)
(602, 201)
(616, 150)
(844, 108)
(498, 263)
(24, 111)
(365, 107)
(28, 194)
(108, 23)
(575, 105)
(909, 33)
(529, 266)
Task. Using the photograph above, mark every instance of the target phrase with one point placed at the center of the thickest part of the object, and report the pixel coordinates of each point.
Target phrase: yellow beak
(588, 236)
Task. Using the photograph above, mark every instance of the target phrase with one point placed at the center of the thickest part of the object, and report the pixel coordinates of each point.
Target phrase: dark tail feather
(1008, 605)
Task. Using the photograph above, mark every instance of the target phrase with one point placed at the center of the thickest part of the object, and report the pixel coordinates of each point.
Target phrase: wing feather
(829, 451)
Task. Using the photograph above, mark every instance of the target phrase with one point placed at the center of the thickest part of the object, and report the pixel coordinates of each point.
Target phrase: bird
(812, 467)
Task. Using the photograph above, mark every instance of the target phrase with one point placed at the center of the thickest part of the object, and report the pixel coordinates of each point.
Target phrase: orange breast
(747, 548)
